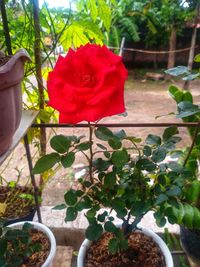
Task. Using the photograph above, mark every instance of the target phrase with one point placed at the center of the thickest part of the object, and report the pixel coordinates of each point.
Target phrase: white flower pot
(43, 228)
(165, 250)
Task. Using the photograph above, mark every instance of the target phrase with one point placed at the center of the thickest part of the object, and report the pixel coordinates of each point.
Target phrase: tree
(195, 7)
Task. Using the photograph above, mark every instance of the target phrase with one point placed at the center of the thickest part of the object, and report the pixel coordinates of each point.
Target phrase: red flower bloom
(87, 84)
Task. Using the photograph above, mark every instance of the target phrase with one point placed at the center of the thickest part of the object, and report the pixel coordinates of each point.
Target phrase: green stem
(192, 145)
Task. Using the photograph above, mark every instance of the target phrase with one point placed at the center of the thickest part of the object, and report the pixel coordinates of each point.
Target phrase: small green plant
(16, 245)
(127, 177)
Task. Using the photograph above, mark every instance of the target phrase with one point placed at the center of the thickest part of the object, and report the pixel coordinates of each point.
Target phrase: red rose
(87, 84)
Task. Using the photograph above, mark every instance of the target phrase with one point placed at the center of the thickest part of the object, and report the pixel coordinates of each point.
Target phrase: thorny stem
(91, 153)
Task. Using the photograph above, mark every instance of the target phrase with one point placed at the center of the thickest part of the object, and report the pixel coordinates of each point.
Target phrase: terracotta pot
(11, 75)
(163, 247)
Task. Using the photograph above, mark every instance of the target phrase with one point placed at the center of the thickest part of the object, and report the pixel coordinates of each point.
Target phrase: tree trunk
(192, 50)
(172, 47)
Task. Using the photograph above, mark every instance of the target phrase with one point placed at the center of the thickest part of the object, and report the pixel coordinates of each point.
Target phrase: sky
(55, 3)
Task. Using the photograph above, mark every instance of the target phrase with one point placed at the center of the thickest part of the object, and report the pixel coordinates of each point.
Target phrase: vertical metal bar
(30, 165)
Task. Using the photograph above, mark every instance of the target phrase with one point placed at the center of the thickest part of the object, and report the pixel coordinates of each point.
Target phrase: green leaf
(187, 96)
(101, 217)
(94, 231)
(84, 146)
(110, 180)
(104, 13)
(46, 162)
(186, 108)
(103, 133)
(169, 132)
(179, 70)
(68, 159)
(110, 227)
(175, 93)
(101, 146)
(159, 154)
(179, 212)
(107, 154)
(196, 220)
(161, 198)
(60, 143)
(147, 151)
(120, 157)
(70, 197)
(153, 140)
(119, 206)
(173, 191)
(92, 8)
(71, 214)
(160, 219)
(120, 134)
(193, 192)
(197, 58)
(191, 77)
(174, 166)
(113, 245)
(101, 165)
(188, 216)
(59, 207)
(146, 164)
(115, 143)
(134, 139)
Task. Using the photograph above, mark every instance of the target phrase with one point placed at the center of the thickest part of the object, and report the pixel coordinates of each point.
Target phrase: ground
(144, 100)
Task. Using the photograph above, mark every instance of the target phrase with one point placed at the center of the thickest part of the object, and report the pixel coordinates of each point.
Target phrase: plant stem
(38, 66)
(91, 153)
(192, 145)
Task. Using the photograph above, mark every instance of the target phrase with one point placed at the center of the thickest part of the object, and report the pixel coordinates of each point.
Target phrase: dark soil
(3, 59)
(37, 258)
(19, 201)
(142, 252)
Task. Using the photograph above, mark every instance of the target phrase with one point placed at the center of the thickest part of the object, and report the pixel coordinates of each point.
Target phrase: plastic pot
(11, 75)
(28, 218)
(165, 250)
(190, 242)
(48, 232)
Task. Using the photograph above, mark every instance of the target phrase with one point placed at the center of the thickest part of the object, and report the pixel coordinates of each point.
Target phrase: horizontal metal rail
(116, 125)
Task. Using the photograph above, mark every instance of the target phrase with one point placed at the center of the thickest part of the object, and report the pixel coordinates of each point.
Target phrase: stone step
(63, 256)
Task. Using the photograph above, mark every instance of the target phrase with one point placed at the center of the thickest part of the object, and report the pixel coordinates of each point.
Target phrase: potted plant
(125, 175)
(25, 244)
(11, 75)
(188, 111)
(17, 202)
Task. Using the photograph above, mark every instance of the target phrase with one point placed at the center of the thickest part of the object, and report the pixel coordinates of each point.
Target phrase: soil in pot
(142, 252)
(37, 258)
(18, 200)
